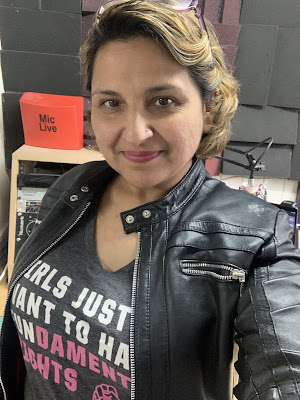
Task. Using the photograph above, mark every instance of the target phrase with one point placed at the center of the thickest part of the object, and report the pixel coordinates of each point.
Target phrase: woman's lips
(141, 156)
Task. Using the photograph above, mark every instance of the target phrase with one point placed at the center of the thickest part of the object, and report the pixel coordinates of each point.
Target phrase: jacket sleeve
(268, 322)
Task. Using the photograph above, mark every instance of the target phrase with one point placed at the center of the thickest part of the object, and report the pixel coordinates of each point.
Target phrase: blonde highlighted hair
(191, 47)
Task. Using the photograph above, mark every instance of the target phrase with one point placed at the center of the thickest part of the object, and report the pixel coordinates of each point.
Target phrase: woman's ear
(207, 112)
(206, 119)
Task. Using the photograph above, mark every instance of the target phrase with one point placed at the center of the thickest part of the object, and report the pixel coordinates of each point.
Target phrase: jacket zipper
(233, 273)
(132, 319)
(28, 267)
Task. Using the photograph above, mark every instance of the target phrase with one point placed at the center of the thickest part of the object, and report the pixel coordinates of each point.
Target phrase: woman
(143, 269)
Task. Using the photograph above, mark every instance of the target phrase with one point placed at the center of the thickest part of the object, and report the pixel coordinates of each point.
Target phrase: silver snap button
(85, 189)
(129, 219)
(74, 197)
(146, 213)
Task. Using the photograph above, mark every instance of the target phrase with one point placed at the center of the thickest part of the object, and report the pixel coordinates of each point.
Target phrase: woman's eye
(110, 103)
(163, 101)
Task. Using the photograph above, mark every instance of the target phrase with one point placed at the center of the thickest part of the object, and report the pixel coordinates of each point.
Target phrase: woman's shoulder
(80, 173)
(240, 198)
(84, 177)
(221, 203)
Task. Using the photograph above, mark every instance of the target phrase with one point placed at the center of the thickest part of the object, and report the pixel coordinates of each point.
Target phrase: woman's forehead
(138, 66)
(142, 57)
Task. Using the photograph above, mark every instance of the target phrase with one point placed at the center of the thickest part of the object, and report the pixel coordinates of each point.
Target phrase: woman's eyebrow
(105, 92)
(152, 90)
(161, 88)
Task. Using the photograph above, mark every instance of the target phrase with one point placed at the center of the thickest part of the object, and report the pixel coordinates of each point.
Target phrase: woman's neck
(130, 196)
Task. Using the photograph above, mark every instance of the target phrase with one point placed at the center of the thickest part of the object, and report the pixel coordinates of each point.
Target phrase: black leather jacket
(213, 264)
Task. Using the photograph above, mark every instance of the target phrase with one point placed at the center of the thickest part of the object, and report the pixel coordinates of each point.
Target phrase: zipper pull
(240, 276)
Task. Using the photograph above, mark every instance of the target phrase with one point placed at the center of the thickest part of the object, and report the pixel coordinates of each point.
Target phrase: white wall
(278, 189)
(4, 181)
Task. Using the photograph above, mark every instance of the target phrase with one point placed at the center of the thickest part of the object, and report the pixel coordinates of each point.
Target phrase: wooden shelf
(31, 153)
(3, 293)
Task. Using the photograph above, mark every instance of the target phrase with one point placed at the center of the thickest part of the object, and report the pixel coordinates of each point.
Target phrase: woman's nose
(136, 129)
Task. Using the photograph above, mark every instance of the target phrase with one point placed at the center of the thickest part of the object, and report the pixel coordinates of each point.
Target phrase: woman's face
(147, 113)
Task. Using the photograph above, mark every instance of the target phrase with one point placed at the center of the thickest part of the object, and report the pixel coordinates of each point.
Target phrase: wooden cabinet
(24, 158)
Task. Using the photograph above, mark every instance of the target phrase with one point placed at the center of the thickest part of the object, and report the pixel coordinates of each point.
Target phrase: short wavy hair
(180, 34)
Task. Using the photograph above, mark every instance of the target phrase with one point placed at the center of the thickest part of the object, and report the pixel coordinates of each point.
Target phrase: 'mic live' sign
(47, 123)
(52, 121)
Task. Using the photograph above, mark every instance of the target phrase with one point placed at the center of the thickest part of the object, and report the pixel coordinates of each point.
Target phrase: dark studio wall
(41, 40)
(267, 66)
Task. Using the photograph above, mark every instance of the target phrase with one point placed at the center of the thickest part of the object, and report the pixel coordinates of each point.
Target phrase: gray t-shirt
(73, 320)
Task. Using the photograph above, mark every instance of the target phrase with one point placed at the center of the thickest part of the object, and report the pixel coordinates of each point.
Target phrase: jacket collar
(153, 212)
(136, 218)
